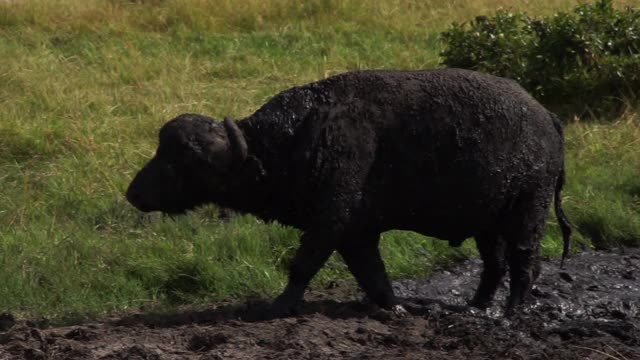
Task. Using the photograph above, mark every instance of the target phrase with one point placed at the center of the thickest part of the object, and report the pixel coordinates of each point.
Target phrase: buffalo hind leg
(525, 232)
(492, 251)
(362, 255)
(309, 258)
(524, 268)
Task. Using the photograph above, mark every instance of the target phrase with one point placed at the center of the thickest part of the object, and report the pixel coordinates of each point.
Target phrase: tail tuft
(562, 218)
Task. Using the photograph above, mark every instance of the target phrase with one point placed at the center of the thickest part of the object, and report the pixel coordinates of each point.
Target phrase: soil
(588, 310)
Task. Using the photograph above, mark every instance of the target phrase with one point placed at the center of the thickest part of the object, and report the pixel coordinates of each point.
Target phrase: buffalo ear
(237, 141)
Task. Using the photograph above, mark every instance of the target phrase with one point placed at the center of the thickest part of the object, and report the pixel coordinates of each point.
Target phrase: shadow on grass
(259, 310)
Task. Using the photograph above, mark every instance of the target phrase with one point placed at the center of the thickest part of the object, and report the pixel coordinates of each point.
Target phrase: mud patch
(589, 310)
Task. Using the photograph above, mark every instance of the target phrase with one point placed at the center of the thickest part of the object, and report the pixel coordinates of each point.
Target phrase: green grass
(603, 191)
(84, 87)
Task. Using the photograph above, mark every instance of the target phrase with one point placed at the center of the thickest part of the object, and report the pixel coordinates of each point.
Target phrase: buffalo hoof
(282, 307)
(481, 304)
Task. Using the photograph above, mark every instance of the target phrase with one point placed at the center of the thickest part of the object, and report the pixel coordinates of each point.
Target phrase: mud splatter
(589, 310)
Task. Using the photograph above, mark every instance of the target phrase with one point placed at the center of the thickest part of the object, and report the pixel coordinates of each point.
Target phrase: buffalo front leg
(362, 255)
(309, 258)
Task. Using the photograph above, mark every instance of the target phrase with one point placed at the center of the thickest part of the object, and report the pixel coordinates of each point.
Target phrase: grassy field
(85, 85)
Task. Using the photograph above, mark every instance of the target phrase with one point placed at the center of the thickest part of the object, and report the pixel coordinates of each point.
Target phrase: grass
(85, 85)
(604, 190)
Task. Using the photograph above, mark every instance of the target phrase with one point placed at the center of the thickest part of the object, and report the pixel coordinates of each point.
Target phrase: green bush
(584, 62)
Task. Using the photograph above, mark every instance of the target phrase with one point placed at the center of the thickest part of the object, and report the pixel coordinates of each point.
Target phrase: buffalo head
(194, 162)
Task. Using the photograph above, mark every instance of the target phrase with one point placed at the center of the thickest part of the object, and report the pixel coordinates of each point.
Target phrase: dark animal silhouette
(446, 153)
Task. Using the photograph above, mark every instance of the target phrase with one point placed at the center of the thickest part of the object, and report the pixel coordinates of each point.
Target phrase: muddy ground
(589, 310)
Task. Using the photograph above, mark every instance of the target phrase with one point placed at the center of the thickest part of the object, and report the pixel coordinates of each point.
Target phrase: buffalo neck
(271, 134)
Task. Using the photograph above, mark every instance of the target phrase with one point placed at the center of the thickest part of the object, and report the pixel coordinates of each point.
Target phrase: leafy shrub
(585, 62)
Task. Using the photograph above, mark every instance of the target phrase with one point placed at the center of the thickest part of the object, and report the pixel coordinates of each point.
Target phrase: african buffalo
(447, 153)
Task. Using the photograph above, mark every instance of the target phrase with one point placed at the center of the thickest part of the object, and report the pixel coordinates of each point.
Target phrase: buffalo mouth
(174, 212)
(144, 205)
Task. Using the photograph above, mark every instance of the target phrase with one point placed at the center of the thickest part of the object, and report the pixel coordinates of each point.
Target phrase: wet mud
(588, 310)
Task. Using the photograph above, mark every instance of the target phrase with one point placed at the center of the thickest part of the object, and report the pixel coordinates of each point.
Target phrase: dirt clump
(588, 310)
